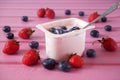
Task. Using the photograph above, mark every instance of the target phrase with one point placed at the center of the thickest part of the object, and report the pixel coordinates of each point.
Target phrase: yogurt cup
(59, 47)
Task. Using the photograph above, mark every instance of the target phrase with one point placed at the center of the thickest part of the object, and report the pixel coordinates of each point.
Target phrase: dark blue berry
(49, 63)
(74, 28)
(94, 33)
(34, 44)
(81, 13)
(52, 29)
(68, 12)
(64, 66)
(59, 31)
(104, 19)
(10, 35)
(66, 31)
(91, 53)
(108, 27)
(6, 28)
(63, 27)
(25, 18)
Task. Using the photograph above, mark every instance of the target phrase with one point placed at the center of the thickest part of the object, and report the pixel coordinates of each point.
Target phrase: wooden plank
(59, 12)
(37, 72)
(105, 66)
(57, 5)
(39, 35)
(102, 56)
(56, 1)
(33, 21)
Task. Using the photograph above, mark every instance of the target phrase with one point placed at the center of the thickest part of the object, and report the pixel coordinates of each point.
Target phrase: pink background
(106, 65)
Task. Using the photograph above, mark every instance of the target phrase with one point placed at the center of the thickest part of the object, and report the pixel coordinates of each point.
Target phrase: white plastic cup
(59, 47)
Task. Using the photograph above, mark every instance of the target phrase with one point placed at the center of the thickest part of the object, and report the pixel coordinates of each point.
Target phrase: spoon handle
(108, 11)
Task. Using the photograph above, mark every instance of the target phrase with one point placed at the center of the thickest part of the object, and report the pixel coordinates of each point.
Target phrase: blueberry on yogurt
(74, 28)
(59, 31)
(52, 29)
(63, 27)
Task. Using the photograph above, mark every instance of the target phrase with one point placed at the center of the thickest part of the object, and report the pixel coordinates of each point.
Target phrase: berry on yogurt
(52, 29)
(74, 28)
(63, 29)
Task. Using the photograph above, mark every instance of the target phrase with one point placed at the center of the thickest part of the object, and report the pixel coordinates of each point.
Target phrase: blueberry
(25, 18)
(59, 31)
(94, 33)
(91, 53)
(6, 28)
(34, 44)
(64, 66)
(66, 31)
(52, 29)
(49, 63)
(63, 27)
(10, 35)
(108, 27)
(68, 12)
(81, 13)
(104, 19)
(74, 28)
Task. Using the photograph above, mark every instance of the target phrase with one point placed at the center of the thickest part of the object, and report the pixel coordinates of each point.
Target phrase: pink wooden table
(106, 65)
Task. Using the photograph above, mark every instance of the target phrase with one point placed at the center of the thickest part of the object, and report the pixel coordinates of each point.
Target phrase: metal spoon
(108, 11)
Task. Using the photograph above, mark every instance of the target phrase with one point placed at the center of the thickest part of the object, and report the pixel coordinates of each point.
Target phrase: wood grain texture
(37, 72)
(105, 66)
